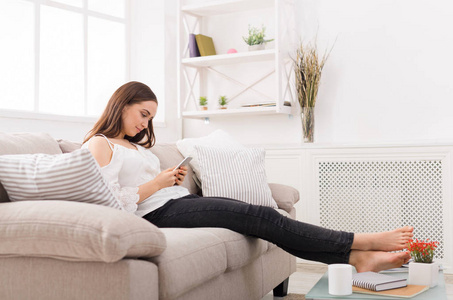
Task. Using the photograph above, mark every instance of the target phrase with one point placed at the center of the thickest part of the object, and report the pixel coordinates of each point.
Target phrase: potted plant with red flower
(422, 270)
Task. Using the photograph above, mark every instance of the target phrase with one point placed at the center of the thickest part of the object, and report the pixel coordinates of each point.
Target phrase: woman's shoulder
(99, 141)
(101, 150)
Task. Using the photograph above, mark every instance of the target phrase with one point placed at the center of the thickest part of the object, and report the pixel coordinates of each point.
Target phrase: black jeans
(300, 239)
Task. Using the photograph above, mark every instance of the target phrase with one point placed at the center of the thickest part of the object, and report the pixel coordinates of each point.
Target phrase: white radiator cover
(371, 196)
(371, 189)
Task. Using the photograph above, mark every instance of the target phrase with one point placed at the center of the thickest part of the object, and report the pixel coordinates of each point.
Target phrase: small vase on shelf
(424, 273)
(308, 123)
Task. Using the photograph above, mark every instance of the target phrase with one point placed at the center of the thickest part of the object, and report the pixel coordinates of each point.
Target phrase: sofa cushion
(75, 231)
(68, 146)
(25, 143)
(169, 156)
(216, 139)
(285, 196)
(193, 257)
(196, 255)
(21, 143)
(238, 174)
(71, 176)
(240, 249)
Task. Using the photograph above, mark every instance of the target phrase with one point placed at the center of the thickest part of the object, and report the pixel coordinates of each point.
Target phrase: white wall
(153, 58)
(389, 75)
(388, 78)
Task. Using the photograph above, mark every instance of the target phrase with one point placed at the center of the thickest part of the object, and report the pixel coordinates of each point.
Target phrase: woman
(120, 142)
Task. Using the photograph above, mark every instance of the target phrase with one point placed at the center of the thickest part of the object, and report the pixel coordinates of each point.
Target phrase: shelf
(268, 68)
(225, 6)
(230, 112)
(227, 59)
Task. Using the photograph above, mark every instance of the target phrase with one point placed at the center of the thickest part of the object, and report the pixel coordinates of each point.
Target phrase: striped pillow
(238, 174)
(72, 176)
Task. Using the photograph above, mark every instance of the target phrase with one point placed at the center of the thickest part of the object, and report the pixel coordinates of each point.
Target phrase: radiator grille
(371, 196)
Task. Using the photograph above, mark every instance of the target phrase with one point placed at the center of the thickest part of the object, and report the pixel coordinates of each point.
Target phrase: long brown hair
(110, 122)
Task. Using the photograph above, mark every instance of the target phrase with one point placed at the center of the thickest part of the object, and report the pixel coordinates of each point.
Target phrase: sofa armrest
(75, 231)
(285, 196)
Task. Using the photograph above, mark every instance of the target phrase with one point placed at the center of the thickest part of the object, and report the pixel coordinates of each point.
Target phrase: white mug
(340, 279)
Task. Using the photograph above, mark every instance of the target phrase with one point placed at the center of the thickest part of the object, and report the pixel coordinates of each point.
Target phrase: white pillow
(239, 174)
(72, 176)
(217, 139)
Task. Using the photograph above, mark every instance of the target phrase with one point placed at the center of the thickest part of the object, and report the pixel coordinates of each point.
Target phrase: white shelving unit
(192, 70)
(224, 6)
(228, 59)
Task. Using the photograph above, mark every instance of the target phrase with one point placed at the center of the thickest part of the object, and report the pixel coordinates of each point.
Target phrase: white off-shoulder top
(130, 168)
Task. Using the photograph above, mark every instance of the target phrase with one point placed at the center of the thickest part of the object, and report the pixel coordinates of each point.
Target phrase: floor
(307, 275)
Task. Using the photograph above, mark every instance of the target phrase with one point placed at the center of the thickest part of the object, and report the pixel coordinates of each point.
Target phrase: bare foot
(377, 261)
(383, 241)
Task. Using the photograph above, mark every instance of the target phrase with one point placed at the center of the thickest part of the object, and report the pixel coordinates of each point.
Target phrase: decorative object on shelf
(255, 39)
(205, 45)
(423, 271)
(193, 47)
(308, 67)
(232, 50)
(223, 101)
(203, 103)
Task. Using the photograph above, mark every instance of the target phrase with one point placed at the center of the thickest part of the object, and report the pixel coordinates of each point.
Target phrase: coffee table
(321, 291)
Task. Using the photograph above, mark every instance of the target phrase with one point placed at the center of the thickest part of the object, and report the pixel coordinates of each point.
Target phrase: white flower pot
(256, 47)
(423, 274)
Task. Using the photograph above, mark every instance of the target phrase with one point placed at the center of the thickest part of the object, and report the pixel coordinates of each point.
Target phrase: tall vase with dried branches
(308, 67)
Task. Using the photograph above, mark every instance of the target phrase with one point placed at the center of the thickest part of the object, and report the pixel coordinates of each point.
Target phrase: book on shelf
(377, 282)
(267, 104)
(193, 47)
(408, 291)
(205, 45)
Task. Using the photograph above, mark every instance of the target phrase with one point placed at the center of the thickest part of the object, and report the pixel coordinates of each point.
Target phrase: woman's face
(135, 117)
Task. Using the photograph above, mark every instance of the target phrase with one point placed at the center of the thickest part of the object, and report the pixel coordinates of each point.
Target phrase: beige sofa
(39, 258)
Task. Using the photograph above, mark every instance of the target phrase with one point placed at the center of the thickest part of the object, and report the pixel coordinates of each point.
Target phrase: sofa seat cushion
(192, 257)
(75, 231)
(196, 255)
(240, 249)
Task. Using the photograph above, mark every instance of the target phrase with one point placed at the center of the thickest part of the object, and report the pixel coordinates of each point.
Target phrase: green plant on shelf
(223, 101)
(203, 101)
(256, 36)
